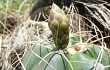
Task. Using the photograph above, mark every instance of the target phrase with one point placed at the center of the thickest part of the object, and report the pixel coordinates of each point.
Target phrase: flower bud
(59, 26)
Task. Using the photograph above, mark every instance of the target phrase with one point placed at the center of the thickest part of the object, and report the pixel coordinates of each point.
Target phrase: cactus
(59, 26)
(47, 59)
(44, 57)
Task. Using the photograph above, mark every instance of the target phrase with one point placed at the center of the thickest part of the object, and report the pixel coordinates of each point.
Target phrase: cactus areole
(59, 26)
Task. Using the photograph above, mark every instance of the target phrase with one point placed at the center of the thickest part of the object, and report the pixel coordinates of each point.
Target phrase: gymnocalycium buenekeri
(59, 26)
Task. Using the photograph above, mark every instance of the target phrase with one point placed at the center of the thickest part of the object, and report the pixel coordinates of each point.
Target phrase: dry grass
(26, 33)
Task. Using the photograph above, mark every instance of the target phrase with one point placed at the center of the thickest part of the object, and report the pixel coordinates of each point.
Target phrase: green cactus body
(49, 59)
(59, 25)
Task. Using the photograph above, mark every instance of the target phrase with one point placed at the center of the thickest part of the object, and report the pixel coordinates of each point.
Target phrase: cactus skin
(59, 26)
